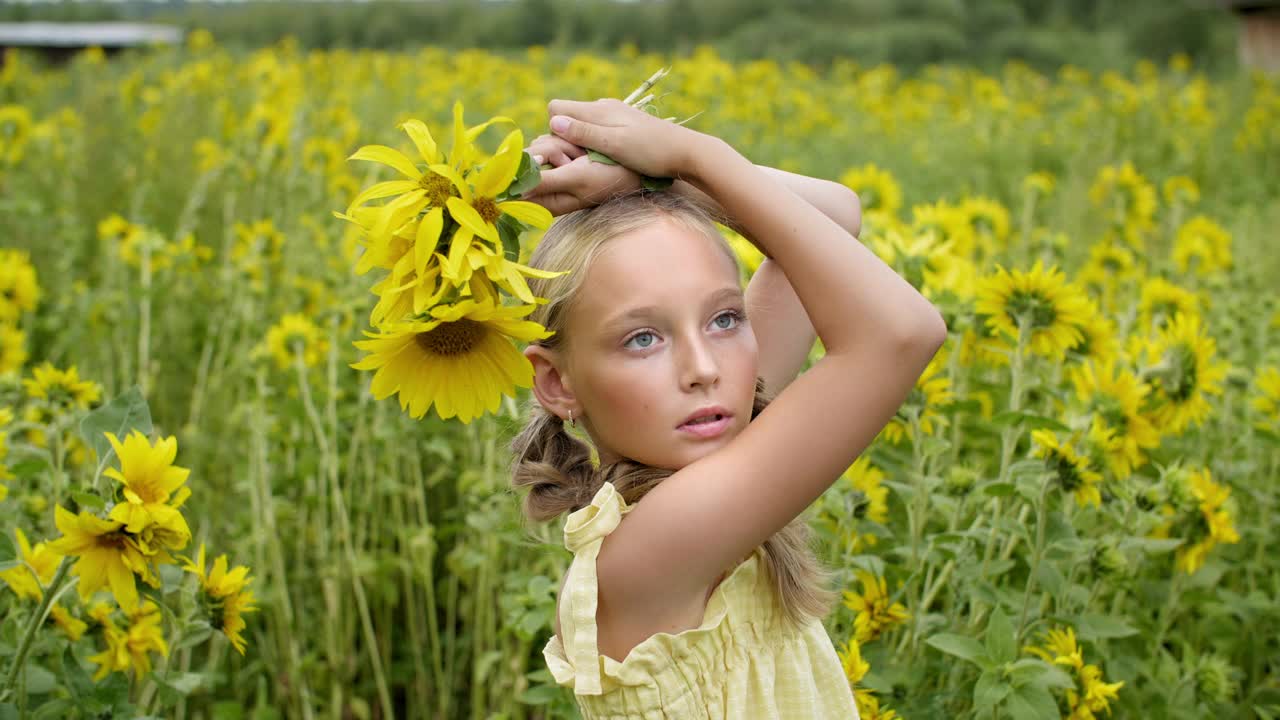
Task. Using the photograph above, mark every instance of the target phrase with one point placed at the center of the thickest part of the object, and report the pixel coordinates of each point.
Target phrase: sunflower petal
(390, 157)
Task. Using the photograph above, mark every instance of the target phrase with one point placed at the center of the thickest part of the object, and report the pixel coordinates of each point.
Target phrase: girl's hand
(576, 182)
(646, 144)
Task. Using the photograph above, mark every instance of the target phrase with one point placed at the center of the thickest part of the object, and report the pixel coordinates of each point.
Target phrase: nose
(699, 365)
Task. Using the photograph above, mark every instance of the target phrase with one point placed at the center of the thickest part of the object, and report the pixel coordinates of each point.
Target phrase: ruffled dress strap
(584, 532)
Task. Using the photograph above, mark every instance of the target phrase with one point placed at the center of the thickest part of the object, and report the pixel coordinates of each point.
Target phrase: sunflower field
(1073, 514)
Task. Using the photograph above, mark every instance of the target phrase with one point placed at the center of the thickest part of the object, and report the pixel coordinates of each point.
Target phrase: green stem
(1037, 554)
(46, 601)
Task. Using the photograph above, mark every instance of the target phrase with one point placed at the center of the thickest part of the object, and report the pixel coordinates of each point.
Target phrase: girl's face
(659, 331)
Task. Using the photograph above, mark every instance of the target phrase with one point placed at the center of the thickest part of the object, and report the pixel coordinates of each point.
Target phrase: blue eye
(642, 347)
(732, 314)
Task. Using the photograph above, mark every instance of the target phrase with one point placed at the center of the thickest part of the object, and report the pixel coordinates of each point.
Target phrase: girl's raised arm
(879, 335)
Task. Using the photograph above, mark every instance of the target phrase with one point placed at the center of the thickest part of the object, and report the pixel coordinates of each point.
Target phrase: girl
(707, 601)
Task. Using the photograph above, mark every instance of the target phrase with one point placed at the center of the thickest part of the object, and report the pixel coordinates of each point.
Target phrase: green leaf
(8, 551)
(540, 695)
(1036, 422)
(999, 638)
(990, 689)
(509, 231)
(1092, 626)
(1000, 489)
(527, 177)
(962, 646)
(1032, 702)
(180, 683)
(122, 414)
(89, 500)
(28, 468)
(601, 158)
(39, 680)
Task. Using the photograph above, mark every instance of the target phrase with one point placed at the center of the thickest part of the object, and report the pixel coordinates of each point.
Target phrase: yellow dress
(742, 662)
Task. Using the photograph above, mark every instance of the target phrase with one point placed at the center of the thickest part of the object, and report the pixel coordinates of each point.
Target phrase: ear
(550, 386)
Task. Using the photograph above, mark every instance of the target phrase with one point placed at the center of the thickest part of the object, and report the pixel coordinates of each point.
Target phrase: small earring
(571, 422)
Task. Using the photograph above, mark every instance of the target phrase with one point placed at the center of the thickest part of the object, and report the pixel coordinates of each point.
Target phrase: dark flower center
(453, 338)
(487, 208)
(438, 188)
(1037, 309)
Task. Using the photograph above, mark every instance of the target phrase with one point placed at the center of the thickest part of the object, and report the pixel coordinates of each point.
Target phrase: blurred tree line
(910, 33)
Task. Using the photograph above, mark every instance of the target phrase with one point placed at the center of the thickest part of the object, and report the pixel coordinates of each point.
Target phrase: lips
(705, 414)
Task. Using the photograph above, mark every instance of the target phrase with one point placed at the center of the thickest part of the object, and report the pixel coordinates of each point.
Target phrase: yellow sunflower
(128, 649)
(1212, 523)
(106, 554)
(476, 207)
(1182, 373)
(1051, 309)
(13, 348)
(1267, 401)
(296, 330)
(1204, 243)
(19, 290)
(71, 625)
(62, 388)
(1110, 267)
(876, 613)
(870, 498)
(877, 189)
(930, 393)
(1070, 467)
(461, 359)
(1116, 396)
(154, 490)
(1162, 300)
(42, 559)
(225, 595)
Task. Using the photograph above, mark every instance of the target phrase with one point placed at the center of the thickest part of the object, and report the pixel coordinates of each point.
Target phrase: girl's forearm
(831, 199)
(850, 295)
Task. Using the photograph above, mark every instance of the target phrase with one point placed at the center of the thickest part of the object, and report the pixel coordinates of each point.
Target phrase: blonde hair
(559, 469)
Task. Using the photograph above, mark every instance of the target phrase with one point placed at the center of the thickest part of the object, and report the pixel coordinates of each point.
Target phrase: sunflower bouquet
(450, 304)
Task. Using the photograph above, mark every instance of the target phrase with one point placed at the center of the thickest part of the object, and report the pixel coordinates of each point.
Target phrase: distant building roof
(73, 35)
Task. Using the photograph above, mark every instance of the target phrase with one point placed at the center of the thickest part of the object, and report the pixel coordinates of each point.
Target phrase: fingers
(561, 179)
(558, 203)
(555, 150)
(597, 112)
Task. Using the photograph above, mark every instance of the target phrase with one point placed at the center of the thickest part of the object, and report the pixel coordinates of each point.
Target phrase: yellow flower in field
(930, 393)
(130, 240)
(870, 499)
(877, 189)
(1182, 373)
(1115, 396)
(1267, 402)
(62, 388)
(71, 625)
(129, 649)
(851, 660)
(1127, 198)
(461, 359)
(13, 348)
(876, 612)
(295, 332)
(1089, 694)
(1096, 693)
(154, 489)
(869, 707)
(949, 223)
(1069, 466)
(918, 258)
(1059, 648)
(1099, 337)
(1109, 268)
(225, 596)
(989, 221)
(1204, 243)
(1161, 300)
(1180, 190)
(107, 556)
(41, 558)
(510, 276)
(1211, 525)
(1050, 309)
(1039, 182)
(256, 243)
(19, 290)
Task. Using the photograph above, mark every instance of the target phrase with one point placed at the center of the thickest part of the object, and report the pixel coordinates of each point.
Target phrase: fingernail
(559, 123)
(538, 159)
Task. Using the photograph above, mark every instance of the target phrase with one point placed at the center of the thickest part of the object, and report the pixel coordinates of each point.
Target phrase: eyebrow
(724, 293)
